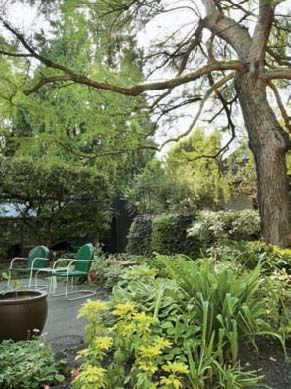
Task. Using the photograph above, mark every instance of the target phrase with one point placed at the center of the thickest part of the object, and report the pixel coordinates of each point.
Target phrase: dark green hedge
(139, 237)
(169, 235)
(190, 234)
(165, 234)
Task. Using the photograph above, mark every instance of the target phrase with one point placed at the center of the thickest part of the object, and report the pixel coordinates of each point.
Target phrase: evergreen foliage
(169, 235)
(66, 152)
(139, 237)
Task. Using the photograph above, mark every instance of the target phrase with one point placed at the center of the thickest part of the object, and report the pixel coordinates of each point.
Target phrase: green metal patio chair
(77, 267)
(37, 259)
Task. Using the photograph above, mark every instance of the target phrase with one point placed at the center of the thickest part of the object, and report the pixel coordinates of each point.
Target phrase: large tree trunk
(269, 144)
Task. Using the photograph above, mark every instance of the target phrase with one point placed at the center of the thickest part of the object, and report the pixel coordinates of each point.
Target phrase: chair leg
(36, 286)
(9, 279)
(30, 279)
(69, 290)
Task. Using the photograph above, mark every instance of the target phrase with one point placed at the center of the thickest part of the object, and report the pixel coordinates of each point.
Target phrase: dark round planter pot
(22, 314)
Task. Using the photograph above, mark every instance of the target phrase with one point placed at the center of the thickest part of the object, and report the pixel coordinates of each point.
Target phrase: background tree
(196, 175)
(240, 172)
(233, 62)
(65, 156)
(61, 202)
(184, 181)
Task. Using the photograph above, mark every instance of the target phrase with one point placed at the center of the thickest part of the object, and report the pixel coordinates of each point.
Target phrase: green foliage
(197, 180)
(139, 237)
(210, 227)
(169, 235)
(155, 295)
(27, 364)
(60, 159)
(68, 202)
(131, 339)
(225, 302)
(250, 254)
(275, 266)
(152, 190)
(241, 173)
(108, 271)
(184, 182)
(202, 313)
(189, 234)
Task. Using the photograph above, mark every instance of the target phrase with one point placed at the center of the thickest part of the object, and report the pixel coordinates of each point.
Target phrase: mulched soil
(270, 362)
(66, 349)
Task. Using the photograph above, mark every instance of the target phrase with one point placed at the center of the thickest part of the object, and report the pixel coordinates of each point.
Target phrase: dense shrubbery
(169, 235)
(28, 364)
(165, 234)
(189, 234)
(249, 254)
(139, 238)
(176, 323)
(210, 227)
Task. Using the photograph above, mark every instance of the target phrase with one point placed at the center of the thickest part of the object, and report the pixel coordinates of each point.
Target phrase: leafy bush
(109, 271)
(182, 330)
(188, 234)
(250, 254)
(27, 365)
(169, 235)
(222, 300)
(210, 227)
(158, 296)
(139, 237)
(137, 352)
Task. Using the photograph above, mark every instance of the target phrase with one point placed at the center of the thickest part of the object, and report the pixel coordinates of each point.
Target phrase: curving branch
(227, 29)
(191, 47)
(31, 51)
(104, 153)
(285, 116)
(138, 89)
(17, 55)
(213, 88)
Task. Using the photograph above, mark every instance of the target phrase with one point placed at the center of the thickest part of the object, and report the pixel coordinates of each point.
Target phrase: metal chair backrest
(38, 252)
(84, 258)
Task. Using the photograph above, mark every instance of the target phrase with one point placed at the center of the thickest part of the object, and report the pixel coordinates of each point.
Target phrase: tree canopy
(66, 152)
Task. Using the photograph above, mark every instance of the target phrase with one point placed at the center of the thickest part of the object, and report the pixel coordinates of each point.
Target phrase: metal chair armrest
(62, 260)
(16, 259)
(37, 258)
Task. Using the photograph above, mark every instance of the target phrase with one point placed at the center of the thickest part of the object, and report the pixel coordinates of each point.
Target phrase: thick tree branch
(261, 36)
(138, 89)
(227, 29)
(276, 74)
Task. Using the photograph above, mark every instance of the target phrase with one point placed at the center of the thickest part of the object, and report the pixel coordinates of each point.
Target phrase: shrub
(139, 237)
(27, 365)
(189, 234)
(224, 302)
(182, 332)
(210, 227)
(108, 271)
(169, 235)
(249, 254)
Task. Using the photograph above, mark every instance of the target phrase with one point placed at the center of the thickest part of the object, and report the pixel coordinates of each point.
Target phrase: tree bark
(269, 144)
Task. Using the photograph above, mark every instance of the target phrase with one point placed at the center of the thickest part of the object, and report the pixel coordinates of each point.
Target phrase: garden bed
(270, 362)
